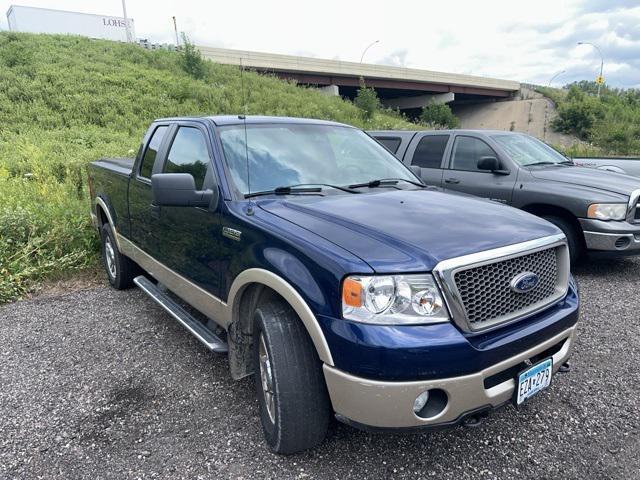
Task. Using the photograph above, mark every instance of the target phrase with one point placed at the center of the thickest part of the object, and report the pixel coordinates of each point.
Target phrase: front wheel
(292, 395)
(574, 238)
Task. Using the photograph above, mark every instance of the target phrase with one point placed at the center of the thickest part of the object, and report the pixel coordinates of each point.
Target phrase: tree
(367, 101)
(191, 59)
(439, 115)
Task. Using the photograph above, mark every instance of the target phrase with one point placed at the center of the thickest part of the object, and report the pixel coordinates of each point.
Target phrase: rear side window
(188, 154)
(392, 143)
(467, 151)
(430, 150)
(146, 167)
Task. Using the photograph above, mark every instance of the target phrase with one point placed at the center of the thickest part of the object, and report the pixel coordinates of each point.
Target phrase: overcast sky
(512, 39)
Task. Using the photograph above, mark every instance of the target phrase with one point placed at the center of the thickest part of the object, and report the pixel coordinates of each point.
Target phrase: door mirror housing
(491, 164)
(179, 190)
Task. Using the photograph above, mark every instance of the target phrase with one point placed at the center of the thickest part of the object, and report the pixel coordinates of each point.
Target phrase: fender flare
(286, 291)
(107, 211)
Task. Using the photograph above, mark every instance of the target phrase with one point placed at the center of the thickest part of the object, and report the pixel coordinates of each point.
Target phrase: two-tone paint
(304, 247)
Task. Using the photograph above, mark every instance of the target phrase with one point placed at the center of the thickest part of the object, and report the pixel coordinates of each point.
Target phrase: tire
(120, 269)
(295, 415)
(574, 239)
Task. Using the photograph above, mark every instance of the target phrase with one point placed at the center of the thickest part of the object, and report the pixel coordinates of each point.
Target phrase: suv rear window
(429, 151)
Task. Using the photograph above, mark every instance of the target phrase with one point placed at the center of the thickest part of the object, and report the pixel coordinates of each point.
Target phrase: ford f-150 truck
(596, 210)
(326, 269)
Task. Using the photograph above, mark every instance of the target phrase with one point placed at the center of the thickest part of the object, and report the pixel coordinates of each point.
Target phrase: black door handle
(451, 180)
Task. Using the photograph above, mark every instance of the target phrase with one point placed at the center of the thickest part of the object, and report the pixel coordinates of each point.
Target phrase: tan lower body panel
(390, 404)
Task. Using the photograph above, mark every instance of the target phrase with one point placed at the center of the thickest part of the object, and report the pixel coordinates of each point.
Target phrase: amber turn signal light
(352, 292)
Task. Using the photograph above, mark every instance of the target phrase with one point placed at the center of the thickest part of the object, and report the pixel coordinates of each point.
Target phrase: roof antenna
(246, 145)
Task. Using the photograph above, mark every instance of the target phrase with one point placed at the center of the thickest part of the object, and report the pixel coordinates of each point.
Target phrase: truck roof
(221, 120)
(437, 132)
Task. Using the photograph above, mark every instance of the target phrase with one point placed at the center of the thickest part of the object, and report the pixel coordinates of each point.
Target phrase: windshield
(527, 150)
(290, 154)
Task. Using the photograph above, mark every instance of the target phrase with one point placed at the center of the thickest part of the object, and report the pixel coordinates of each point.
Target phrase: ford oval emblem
(524, 282)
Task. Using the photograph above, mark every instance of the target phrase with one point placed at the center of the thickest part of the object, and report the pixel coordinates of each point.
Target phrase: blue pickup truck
(323, 267)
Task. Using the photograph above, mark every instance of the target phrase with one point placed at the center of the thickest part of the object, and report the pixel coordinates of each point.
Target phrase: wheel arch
(104, 215)
(244, 293)
(542, 209)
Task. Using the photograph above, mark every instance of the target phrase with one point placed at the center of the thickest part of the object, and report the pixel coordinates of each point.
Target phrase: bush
(191, 59)
(65, 101)
(610, 123)
(367, 101)
(439, 115)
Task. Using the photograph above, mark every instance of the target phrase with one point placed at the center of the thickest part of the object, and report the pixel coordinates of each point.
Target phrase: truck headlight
(393, 300)
(607, 211)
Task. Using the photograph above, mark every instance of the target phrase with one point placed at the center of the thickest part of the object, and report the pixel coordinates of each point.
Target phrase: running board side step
(196, 328)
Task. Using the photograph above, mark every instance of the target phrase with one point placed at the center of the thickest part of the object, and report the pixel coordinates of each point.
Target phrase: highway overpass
(397, 87)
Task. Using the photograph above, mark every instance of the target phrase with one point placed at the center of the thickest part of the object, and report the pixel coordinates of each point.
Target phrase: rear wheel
(574, 238)
(292, 395)
(120, 269)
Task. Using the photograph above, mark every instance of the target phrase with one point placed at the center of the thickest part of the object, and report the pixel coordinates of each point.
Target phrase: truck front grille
(486, 292)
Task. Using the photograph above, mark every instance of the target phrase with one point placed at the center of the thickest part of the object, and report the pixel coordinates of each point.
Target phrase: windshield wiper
(383, 182)
(567, 162)
(540, 163)
(299, 188)
(284, 191)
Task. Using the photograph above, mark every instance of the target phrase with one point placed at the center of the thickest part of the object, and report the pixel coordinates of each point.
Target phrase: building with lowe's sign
(45, 20)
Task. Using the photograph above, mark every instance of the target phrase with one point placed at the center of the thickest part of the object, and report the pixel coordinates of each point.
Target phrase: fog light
(420, 401)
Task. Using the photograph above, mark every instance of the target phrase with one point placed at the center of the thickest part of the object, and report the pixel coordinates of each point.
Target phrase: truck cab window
(146, 167)
(392, 143)
(467, 151)
(188, 154)
(430, 150)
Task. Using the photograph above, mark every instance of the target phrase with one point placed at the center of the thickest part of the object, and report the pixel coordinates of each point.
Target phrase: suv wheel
(120, 269)
(292, 395)
(575, 242)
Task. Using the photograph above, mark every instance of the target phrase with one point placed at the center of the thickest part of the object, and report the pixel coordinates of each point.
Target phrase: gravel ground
(102, 384)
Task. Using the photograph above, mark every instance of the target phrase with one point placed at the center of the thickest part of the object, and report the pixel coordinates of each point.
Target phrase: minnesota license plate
(532, 380)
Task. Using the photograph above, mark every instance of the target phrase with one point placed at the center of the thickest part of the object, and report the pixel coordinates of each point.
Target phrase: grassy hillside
(610, 124)
(65, 101)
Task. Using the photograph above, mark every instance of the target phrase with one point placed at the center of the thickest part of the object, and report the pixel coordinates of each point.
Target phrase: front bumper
(381, 404)
(612, 236)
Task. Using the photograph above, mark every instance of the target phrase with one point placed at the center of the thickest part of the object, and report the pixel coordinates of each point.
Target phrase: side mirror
(417, 171)
(491, 164)
(179, 190)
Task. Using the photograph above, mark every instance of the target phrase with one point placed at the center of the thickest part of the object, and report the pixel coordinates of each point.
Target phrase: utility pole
(175, 28)
(126, 21)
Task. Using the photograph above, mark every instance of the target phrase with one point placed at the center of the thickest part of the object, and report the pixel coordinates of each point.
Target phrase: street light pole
(601, 60)
(554, 77)
(368, 47)
(126, 21)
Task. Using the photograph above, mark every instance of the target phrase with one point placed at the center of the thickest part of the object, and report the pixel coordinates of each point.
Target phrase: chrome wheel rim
(266, 379)
(110, 257)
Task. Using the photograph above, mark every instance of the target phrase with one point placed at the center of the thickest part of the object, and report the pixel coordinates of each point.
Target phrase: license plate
(532, 380)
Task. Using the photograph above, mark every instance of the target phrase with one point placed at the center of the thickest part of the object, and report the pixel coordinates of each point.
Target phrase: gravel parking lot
(103, 384)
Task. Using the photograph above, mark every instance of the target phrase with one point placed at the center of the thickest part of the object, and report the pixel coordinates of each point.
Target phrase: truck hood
(590, 177)
(410, 230)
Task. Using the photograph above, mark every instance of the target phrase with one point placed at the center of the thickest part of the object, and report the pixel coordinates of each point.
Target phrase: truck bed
(123, 165)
